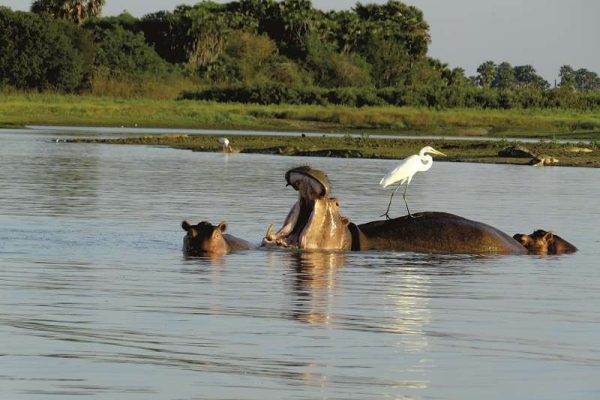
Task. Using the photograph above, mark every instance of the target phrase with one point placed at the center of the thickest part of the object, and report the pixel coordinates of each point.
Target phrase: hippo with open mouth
(315, 222)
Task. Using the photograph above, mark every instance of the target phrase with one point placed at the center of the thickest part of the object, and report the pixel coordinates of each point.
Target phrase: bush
(280, 94)
(332, 69)
(122, 53)
(40, 52)
(415, 96)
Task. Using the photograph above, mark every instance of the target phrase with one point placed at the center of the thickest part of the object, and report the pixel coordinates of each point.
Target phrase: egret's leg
(386, 214)
(405, 202)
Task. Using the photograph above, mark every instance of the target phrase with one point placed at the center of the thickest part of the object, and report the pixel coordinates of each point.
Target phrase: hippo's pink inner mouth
(294, 228)
(297, 226)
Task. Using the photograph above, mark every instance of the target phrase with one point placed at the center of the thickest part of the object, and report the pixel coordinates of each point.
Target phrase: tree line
(267, 51)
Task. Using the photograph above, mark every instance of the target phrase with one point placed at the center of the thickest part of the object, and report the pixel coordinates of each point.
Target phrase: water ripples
(97, 299)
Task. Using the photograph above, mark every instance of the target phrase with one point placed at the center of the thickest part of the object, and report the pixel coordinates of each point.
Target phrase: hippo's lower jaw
(271, 239)
(293, 232)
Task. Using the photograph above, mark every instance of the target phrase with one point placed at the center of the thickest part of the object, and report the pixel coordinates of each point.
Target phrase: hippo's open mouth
(313, 187)
(295, 226)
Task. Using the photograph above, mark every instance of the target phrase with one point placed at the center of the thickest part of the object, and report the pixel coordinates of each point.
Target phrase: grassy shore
(365, 147)
(56, 109)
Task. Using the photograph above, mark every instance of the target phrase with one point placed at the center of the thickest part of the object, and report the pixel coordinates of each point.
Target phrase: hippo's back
(437, 232)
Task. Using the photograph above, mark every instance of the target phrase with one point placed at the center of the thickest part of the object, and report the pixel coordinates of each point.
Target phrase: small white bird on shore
(224, 142)
(404, 172)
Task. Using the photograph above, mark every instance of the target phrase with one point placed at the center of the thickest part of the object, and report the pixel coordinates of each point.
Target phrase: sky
(544, 33)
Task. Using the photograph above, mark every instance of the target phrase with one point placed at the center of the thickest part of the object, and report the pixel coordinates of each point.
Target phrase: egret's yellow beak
(434, 151)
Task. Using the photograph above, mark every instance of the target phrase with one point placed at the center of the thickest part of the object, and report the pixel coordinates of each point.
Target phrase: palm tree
(72, 10)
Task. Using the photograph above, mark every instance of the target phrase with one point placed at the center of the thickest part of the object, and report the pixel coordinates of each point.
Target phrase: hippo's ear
(186, 225)
(525, 240)
(222, 226)
(345, 221)
(548, 236)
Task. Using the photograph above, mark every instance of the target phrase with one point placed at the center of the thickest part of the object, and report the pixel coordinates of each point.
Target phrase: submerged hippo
(543, 242)
(207, 239)
(315, 222)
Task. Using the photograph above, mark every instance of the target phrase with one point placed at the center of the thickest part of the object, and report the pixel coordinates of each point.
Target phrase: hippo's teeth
(269, 234)
(284, 243)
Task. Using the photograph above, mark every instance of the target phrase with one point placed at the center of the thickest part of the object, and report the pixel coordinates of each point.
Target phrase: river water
(97, 300)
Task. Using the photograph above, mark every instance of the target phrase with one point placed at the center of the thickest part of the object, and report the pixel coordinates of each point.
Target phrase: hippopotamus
(315, 222)
(205, 238)
(436, 232)
(544, 242)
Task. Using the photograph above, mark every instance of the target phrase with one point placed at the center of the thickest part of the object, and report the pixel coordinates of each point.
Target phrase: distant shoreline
(476, 151)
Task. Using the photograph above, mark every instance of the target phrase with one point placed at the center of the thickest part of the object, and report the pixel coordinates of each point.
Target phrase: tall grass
(149, 88)
(161, 110)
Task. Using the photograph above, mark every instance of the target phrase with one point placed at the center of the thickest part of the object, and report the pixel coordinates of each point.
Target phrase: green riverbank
(365, 147)
(55, 109)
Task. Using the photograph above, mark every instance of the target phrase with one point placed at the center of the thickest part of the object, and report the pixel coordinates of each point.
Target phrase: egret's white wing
(403, 172)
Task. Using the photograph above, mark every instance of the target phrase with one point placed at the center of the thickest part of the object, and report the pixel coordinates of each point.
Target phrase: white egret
(225, 142)
(404, 172)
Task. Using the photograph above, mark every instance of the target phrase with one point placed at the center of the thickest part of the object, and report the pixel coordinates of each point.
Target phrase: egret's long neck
(427, 162)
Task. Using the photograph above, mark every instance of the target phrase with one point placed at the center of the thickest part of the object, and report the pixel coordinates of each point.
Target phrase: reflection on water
(97, 299)
(314, 280)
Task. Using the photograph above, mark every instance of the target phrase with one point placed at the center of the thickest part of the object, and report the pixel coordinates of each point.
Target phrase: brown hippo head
(314, 222)
(204, 238)
(544, 242)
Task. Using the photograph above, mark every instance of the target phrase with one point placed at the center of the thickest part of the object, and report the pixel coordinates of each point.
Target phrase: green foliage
(586, 80)
(269, 52)
(525, 75)
(120, 52)
(505, 76)
(394, 22)
(282, 94)
(251, 59)
(486, 72)
(333, 69)
(165, 32)
(72, 10)
(285, 71)
(124, 20)
(40, 52)
(416, 96)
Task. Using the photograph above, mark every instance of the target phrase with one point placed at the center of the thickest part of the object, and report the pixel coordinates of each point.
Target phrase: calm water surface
(97, 300)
